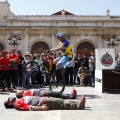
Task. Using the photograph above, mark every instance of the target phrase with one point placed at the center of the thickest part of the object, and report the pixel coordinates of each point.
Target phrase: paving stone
(99, 106)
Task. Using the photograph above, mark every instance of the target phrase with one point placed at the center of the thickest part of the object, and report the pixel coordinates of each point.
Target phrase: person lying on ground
(36, 103)
(45, 92)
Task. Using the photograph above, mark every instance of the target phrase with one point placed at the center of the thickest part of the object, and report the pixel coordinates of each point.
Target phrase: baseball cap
(4, 51)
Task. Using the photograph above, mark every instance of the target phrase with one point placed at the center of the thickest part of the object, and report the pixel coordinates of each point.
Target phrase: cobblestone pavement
(99, 106)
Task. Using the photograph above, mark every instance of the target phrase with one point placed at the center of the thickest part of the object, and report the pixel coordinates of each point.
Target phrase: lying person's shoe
(74, 94)
(4, 89)
(10, 89)
(82, 102)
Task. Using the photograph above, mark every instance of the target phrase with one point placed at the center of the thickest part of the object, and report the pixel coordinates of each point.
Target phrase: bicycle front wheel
(32, 68)
(57, 86)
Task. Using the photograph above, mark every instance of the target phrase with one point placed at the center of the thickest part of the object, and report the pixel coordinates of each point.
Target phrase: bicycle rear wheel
(57, 86)
(32, 67)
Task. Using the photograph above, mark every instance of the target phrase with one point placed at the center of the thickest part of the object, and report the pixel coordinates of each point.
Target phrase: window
(85, 46)
(39, 45)
(1, 47)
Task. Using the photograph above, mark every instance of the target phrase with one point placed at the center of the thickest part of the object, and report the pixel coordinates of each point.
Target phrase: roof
(63, 12)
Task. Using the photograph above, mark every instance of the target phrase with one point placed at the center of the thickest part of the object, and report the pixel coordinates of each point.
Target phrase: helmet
(60, 34)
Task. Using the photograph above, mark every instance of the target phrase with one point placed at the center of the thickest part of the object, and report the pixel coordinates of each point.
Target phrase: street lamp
(112, 42)
(14, 40)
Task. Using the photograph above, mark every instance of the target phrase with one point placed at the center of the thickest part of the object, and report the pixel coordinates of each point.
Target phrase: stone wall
(77, 29)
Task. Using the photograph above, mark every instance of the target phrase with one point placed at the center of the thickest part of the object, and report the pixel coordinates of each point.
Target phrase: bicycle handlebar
(47, 51)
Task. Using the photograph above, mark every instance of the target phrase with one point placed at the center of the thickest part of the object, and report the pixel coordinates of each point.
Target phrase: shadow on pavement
(4, 93)
(91, 96)
(88, 108)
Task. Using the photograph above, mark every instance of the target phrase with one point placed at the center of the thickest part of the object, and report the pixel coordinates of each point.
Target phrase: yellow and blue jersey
(67, 51)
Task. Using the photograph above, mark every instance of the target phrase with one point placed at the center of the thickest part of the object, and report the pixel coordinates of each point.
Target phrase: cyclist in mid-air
(66, 50)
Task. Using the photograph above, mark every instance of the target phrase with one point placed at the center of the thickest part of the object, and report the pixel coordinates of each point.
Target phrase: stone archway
(1, 47)
(39, 47)
(85, 48)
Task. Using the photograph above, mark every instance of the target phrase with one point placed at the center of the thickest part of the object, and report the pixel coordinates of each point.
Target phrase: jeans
(14, 75)
(75, 74)
(5, 78)
(69, 75)
(92, 75)
(26, 77)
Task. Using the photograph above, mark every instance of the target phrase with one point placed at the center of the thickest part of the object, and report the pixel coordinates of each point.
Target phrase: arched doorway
(85, 48)
(39, 47)
(1, 47)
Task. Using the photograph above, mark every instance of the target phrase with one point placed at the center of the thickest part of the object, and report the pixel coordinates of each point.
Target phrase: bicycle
(55, 85)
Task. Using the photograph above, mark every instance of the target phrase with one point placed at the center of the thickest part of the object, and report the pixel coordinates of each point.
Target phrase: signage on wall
(106, 59)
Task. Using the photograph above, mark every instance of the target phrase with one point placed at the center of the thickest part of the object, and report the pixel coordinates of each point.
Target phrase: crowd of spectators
(117, 61)
(80, 70)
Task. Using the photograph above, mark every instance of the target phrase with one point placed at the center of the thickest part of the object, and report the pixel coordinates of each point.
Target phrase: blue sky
(77, 7)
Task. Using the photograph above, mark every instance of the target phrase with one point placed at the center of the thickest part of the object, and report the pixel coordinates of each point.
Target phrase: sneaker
(93, 85)
(10, 89)
(82, 102)
(74, 94)
(89, 84)
(4, 89)
(14, 87)
(23, 88)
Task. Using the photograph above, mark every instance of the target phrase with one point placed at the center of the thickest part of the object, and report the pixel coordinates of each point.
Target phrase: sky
(77, 7)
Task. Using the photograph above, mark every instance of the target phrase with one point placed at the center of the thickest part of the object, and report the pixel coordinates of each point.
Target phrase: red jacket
(6, 62)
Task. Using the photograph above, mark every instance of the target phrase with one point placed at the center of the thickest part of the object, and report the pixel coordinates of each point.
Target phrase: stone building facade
(38, 32)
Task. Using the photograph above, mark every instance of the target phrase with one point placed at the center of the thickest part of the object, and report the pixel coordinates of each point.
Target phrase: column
(25, 43)
(54, 44)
